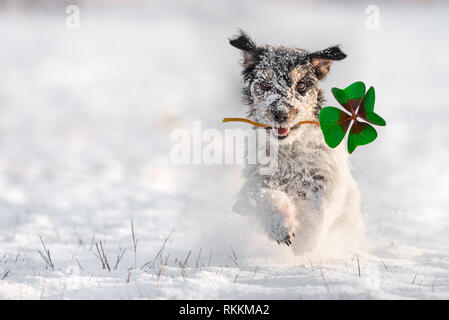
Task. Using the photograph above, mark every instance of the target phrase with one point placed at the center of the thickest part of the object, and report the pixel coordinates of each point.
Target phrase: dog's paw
(282, 232)
(283, 225)
(280, 214)
(287, 238)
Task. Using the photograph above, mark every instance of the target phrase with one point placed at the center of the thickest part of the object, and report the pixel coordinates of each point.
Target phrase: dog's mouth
(281, 132)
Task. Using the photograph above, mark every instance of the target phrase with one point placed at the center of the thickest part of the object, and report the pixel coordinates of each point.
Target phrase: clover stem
(264, 125)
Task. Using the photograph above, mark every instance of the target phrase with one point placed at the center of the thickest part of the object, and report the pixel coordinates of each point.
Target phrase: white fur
(288, 202)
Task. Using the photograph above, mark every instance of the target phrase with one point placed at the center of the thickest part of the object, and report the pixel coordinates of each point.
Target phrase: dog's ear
(322, 60)
(250, 50)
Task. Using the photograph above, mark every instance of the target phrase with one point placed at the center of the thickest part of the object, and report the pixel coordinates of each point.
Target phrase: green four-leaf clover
(335, 122)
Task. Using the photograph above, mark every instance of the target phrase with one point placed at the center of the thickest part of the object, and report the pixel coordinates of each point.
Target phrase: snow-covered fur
(312, 194)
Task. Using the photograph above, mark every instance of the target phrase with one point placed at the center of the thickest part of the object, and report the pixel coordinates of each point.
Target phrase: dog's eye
(301, 86)
(265, 86)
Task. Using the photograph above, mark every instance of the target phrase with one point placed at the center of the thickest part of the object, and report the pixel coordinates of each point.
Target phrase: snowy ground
(85, 118)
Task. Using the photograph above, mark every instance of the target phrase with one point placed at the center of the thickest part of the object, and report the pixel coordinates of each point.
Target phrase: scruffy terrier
(312, 194)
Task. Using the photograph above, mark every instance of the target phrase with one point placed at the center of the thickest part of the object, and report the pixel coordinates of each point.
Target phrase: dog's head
(281, 84)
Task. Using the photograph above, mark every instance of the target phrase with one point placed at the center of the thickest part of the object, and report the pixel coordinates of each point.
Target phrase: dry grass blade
(414, 278)
(99, 256)
(166, 260)
(233, 257)
(79, 265)
(233, 253)
(358, 265)
(6, 274)
(119, 258)
(92, 241)
(102, 256)
(198, 259)
(233, 260)
(159, 254)
(184, 274)
(186, 260)
(134, 243)
(46, 255)
(385, 266)
(80, 240)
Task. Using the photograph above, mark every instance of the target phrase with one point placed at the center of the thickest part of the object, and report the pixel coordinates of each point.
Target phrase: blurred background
(91, 90)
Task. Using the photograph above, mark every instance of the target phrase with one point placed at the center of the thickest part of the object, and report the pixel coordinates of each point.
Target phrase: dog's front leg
(278, 215)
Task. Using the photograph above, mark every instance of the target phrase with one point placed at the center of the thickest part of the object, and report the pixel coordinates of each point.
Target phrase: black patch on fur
(243, 42)
(331, 53)
(322, 60)
(251, 52)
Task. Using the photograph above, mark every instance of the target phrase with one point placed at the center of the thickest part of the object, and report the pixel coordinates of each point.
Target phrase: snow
(84, 142)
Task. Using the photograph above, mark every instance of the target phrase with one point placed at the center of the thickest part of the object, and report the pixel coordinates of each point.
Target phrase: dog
(312, 194)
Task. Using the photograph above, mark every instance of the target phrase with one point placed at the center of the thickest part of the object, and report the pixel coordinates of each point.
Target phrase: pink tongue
(282, 131)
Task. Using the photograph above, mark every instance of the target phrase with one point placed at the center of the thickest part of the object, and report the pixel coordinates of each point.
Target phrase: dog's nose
(280, 116)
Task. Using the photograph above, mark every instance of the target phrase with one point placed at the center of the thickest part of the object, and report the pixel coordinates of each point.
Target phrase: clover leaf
(335, 122)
